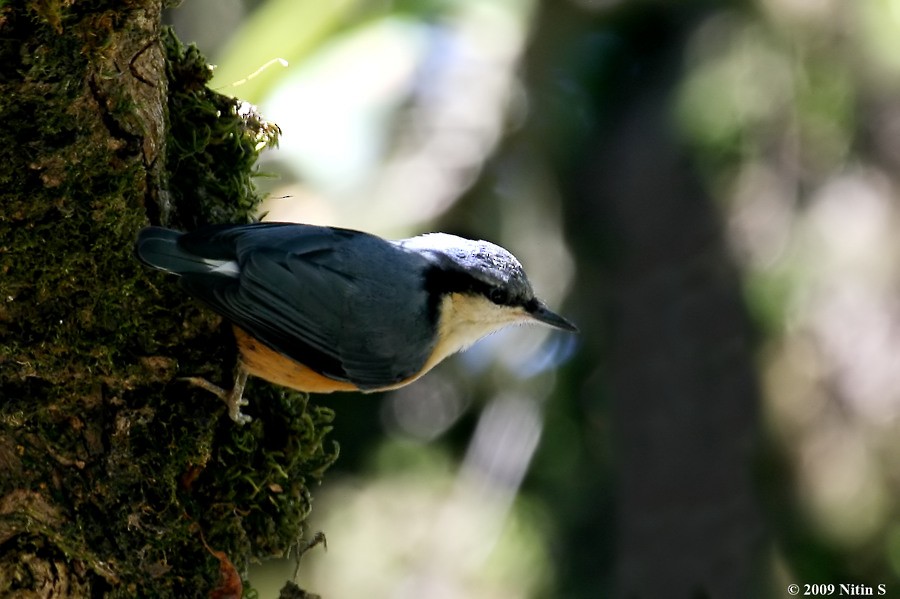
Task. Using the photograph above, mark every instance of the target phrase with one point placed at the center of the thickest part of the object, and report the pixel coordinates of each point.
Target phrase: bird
(322, 309)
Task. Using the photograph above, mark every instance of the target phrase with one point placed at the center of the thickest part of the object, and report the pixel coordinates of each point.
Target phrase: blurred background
(709, 189)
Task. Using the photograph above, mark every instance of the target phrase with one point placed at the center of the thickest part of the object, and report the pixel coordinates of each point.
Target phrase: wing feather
(345, 303)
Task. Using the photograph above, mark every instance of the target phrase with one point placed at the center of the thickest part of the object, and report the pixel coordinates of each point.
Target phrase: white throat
(464, 319)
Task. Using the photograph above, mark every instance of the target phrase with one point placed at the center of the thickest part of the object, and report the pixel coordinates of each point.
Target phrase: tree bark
(115, 475)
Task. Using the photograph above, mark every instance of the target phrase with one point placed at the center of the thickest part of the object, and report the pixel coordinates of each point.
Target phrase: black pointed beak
(542, 313)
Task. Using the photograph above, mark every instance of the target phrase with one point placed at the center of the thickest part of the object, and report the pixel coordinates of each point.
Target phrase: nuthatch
(324, 309)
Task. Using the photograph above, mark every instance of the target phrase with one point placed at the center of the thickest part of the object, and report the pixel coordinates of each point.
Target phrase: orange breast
(268, 364)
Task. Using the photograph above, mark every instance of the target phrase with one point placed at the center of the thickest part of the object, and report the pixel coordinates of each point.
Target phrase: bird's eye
(498, 296)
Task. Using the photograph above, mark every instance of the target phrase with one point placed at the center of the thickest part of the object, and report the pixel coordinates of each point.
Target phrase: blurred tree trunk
(676, 352)
(111, 469)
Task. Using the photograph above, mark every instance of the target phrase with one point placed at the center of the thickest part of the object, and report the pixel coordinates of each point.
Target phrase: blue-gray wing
(347, 304)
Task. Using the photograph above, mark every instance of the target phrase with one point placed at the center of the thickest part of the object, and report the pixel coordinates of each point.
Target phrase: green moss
(131, 462)
(265, 469)
(213, 144)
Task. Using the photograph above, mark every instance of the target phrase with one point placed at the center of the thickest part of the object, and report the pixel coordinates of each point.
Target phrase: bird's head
(483, 284)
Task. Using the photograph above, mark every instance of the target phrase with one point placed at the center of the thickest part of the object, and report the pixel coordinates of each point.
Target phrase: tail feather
(159, 248)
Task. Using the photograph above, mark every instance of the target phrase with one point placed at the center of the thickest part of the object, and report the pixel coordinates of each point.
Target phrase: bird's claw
(234, 398)
(234, 411)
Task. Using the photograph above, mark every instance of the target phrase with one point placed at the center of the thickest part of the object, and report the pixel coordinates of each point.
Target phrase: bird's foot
(234, 398)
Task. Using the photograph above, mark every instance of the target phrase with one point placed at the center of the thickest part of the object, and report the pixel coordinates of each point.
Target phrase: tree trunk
(115, 475)
(673, 355)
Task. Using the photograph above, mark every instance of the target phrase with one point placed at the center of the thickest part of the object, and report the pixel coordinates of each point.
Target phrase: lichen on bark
(111, 467)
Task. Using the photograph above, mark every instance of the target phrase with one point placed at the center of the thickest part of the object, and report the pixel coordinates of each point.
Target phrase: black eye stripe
(440, 280)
